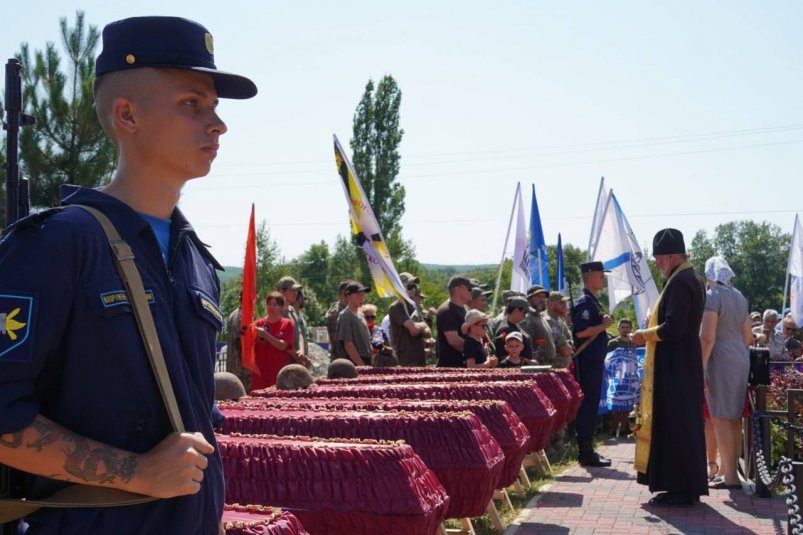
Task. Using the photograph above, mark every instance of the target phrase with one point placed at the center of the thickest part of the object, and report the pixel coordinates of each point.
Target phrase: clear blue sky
(690, 109)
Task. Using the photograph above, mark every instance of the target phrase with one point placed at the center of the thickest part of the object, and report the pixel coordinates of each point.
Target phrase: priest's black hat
(668, 241)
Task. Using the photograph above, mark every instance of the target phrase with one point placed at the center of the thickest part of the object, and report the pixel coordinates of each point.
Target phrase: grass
(560, 460)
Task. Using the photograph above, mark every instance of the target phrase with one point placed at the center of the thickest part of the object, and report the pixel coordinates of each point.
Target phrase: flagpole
(789, 265)
(504, 249)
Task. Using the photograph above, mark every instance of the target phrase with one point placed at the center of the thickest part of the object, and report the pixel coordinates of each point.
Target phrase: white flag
(619, 251)
(520, 275)
(599, 211)
(795, 270)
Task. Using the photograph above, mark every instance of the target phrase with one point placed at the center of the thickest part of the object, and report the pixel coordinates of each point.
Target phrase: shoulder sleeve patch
(16, 315)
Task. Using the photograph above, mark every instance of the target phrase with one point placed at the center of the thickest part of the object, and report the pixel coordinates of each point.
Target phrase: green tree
(757, 253)
(67, 144)
(312, 268)
(375, 142)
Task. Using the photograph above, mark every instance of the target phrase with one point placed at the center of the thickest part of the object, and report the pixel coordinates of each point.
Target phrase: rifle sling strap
(80, 496)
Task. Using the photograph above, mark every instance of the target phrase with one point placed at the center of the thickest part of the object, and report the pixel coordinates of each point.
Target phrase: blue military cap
(590, 267)
(167, 42)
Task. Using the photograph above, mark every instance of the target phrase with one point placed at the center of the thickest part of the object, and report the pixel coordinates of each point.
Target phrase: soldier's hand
(606, 321)
(492, 361)
(175, 467)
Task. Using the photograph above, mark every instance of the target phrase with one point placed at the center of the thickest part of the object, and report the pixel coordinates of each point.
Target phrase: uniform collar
(127, 221)
(591, 295)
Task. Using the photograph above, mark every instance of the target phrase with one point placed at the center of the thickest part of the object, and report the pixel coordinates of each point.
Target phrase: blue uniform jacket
(70, 350)
(587, 312)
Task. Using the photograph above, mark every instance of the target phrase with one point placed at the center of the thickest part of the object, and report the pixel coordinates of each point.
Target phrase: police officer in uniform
(78, 398)
(588, 327)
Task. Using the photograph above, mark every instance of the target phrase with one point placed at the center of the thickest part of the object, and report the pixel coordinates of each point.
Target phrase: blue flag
(560, 283)
(539, 262)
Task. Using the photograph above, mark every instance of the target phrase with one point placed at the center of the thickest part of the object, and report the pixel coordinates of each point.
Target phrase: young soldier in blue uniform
(589, 322)
(78, 398)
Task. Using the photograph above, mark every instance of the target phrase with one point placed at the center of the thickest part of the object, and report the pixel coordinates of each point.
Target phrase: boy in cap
(514, 344)
(78, 397)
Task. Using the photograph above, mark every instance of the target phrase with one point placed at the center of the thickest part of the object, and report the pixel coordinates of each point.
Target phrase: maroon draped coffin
(551, 385)
(335, 487)
(574, 389)
(456, 445)
(497, 416)
(527, 400)
(260, 520)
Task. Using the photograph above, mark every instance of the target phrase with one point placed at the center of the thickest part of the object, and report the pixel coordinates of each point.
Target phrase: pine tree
(67, 144)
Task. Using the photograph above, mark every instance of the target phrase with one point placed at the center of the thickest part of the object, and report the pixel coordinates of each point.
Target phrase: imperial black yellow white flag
(366, 229)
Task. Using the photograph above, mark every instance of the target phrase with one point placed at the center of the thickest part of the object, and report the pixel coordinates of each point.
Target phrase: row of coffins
(456, 446)
(469, 428)
(528, 401)
(503, 424)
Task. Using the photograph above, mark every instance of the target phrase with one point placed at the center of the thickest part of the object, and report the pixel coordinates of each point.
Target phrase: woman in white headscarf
(725, 335)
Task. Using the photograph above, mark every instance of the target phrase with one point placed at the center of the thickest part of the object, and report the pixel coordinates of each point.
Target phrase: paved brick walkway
(586, 501)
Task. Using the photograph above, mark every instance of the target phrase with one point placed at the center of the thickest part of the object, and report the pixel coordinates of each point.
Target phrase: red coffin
(574, 389)
(335, 487)
(456, 446)
(497, 416)
(260, 520)
(551, 386)
(528, 402)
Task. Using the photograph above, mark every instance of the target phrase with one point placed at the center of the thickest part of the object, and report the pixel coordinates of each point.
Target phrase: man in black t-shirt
(451, 315)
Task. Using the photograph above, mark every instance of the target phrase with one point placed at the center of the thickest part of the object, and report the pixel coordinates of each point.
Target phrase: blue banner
(539, 262)
(621, 384)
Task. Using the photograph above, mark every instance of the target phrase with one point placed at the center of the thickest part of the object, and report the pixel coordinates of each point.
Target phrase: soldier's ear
(123, 112)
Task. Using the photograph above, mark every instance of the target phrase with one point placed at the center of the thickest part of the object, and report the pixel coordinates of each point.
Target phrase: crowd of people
(696, 363)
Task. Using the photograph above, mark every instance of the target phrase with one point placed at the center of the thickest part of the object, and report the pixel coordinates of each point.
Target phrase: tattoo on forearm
(84, 462)
(48, 434)
(100, 464)
(11, 440)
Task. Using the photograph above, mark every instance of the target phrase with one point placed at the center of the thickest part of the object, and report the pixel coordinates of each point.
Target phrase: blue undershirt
(161, 228)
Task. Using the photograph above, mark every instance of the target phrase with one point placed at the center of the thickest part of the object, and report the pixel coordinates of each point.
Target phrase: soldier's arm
(175, 467)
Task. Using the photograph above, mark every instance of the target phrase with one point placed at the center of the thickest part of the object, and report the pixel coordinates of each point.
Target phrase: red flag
(249, 298)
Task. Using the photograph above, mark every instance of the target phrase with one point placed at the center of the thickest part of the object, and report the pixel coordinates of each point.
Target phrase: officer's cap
(169, 43)
(590, 267)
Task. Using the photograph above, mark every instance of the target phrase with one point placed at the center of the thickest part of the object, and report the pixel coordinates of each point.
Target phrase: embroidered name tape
(120, 297)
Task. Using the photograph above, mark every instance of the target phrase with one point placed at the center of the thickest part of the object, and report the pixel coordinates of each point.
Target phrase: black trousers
(590, 371)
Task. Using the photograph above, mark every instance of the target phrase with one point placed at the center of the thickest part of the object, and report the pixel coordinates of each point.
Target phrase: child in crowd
(514, 344)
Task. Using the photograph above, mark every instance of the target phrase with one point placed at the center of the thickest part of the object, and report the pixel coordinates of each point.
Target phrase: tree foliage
(757, 253)
(67, 144)
(376, 136)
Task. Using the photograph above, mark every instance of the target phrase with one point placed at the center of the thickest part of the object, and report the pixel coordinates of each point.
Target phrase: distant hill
(458, 268)
(230, 273)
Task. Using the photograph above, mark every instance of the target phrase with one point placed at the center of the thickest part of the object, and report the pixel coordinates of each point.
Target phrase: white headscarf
(718, 270)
